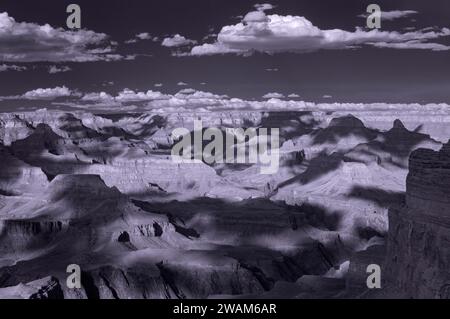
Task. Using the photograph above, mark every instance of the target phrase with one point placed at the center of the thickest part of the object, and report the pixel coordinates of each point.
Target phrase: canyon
(101, 191)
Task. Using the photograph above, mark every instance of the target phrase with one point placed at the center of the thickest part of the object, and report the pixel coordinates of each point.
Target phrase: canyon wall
(418, 250)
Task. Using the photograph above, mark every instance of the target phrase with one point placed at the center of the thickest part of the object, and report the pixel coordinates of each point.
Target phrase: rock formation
(418, 254)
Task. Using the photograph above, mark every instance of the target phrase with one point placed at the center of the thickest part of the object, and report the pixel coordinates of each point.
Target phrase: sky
(172, 53)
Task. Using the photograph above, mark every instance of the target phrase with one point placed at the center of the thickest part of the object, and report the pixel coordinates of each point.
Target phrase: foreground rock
(419, 233)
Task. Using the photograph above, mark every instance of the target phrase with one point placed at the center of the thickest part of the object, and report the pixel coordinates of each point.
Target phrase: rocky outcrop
(45, 288)
(14, 128)
(418, 256)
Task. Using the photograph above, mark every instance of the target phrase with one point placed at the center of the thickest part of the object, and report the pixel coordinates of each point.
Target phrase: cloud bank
(190, 100)
(43, 94)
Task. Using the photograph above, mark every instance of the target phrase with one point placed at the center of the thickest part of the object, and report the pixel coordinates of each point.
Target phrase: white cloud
(264, 6)
(58, 69)
(293, 96)
(192, 99)
(98, 97)
(186, 91)
(44, 94)
(142, 36)
(413, 45)
(394, 14)
(181, 84)
(255, 16)
(275, 33)
(132, 96)
(31, 42)
(327, 96)
(132, 56)
(214, 48)
(47, 94)
(11, 67)
(273, 96)
(272, 70)
(177, 41)
(158, 85)
(194, 94)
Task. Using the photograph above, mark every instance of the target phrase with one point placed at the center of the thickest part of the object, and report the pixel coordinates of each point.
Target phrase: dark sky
(365, 74)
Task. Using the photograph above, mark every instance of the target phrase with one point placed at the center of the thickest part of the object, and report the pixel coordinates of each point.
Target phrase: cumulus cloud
(191, 99)
(58, 69)
(98, 97)
(293, 96)
(181, 84)
(158, 85)
(177, 41)
(258, 32)
(255, 16)
(31, 42)
(132, 96)
(50, 93)
(144, 36)
(273, 96)
(11, 67)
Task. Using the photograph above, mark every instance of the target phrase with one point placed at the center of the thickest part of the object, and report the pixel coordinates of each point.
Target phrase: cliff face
(418, 256)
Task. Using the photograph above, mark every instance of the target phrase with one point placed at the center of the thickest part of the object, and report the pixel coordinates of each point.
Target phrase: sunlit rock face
(419, 231)
(17, 177)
